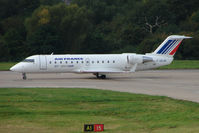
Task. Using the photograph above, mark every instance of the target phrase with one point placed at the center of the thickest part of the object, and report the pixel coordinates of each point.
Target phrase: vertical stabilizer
(170, 45)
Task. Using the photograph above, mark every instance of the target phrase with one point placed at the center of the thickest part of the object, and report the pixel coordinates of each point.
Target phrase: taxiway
(178, 84)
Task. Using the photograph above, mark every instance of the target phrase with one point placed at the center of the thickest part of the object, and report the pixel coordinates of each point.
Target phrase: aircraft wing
(101, 71)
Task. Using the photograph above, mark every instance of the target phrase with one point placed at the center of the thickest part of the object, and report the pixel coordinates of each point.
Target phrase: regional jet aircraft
(101, 64)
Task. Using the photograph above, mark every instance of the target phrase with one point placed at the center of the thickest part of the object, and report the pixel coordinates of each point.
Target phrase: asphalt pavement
(178, 84)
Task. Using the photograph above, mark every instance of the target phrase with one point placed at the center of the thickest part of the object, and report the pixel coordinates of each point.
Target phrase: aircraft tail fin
(170, 45)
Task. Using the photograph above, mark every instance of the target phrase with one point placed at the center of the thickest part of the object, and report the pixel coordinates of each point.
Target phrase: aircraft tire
(103, 76)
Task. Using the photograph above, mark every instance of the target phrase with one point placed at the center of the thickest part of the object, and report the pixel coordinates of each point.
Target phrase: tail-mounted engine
(139, 59)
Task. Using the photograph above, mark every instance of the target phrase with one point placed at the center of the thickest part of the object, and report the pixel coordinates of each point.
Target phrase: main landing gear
(24, 76)
(100, 76)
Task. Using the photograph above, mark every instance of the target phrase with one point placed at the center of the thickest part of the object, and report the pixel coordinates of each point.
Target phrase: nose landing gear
(24, 76)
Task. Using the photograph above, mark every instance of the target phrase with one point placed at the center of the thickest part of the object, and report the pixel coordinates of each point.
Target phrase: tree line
(29, 27)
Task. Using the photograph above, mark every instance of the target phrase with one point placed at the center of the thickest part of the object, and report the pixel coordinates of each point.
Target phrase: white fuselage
(93, 63)
(101, 64)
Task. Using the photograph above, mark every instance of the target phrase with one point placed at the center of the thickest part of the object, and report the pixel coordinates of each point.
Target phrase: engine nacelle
(135, 59)
(139, 59)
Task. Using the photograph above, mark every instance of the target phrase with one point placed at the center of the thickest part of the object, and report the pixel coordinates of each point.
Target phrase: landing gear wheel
(100, 76)
(24, 76)
(103, 76)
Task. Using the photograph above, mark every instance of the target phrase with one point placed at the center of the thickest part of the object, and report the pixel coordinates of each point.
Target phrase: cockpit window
(29, 60)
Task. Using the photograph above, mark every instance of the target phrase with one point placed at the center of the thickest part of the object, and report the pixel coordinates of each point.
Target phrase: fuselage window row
(66, 62)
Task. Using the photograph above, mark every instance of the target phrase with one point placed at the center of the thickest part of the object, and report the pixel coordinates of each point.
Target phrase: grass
(182, 64)
(5, 66)
(61, 110)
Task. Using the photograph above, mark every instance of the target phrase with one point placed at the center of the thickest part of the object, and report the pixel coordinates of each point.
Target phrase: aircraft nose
(16, 68)
(13, 68)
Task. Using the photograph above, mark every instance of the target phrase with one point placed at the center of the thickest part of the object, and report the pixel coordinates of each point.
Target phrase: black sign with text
(88, 127)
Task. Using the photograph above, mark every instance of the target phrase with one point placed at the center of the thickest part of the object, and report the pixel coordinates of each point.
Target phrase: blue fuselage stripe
(166, 44)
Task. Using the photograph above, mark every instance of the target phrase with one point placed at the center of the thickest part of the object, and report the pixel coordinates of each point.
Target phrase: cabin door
(127, 66)
(43, 62)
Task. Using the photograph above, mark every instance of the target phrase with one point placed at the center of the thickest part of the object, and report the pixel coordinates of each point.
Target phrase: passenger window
(50, 62)
(77, 62)
(72, 62)
(82, 62)
(60, 62)
(102, 61)
(108, 61)
(97, 61)
(92, 61)
(113, 61)
(55, 62)
(66, 62)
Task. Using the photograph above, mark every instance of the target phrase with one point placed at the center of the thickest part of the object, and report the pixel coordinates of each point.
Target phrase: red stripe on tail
(175, 49)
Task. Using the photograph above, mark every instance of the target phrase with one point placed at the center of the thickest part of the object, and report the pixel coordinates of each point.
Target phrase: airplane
(101, 65)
